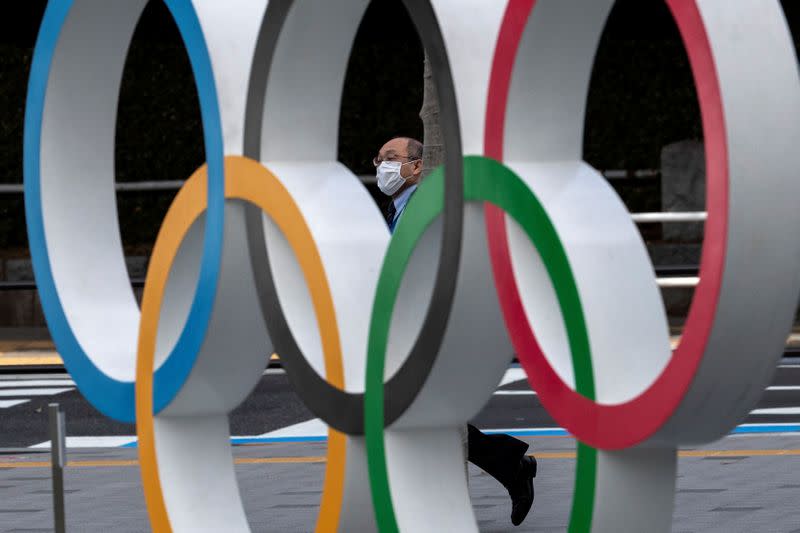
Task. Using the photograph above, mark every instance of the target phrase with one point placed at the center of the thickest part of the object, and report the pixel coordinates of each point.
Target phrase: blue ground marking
(539, 432)
(262, 440)
(766, 428)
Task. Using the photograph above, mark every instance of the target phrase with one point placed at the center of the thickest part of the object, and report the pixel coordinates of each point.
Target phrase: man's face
(397, 150)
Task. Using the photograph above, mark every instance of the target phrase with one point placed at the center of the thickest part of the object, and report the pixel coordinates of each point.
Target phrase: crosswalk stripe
(91, 442)
(31, 392)
(36, 383)
(523, 392)
(513, 374)
(5, 404)
(316, 431)
(777, 411)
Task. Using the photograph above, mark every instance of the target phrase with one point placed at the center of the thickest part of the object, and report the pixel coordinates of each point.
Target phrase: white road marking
(533, 393)
(310, 428)
(91, 442)
(31, 392)
(36, 383)
(5, 404)
(316, 427)
(768, 424)
(524, 392)
(777, 411)
(512, 375)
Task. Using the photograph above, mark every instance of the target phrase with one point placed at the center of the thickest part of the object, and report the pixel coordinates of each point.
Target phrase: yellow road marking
(692, 453)
(77, 464)
(24, 360)
(279, 460)
(322, 459)
(28, 352)
(737, 453)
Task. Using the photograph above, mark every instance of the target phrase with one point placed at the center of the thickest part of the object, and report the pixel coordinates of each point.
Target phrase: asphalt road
(274, 405)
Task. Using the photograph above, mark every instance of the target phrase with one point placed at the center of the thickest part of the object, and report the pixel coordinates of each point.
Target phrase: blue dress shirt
(400, 205)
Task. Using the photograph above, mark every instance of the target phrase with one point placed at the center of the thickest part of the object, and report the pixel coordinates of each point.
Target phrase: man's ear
(418, 165)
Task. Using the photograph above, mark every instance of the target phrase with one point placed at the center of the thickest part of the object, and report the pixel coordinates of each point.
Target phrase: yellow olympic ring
(250, 181)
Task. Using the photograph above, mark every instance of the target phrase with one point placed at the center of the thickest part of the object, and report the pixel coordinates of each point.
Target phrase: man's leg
(503, 457)
(497, 455)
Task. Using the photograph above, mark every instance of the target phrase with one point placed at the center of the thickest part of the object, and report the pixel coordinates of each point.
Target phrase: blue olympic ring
(112, 397)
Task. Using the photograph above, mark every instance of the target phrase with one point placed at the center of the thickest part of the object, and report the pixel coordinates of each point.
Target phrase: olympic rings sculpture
(515, 244)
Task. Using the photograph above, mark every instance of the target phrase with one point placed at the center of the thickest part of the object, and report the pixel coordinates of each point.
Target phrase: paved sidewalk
(744, 483)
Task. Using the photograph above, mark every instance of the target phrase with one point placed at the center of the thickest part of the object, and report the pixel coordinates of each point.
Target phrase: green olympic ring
(485, 180)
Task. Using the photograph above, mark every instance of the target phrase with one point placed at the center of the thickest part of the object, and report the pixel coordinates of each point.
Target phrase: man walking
(399, 170)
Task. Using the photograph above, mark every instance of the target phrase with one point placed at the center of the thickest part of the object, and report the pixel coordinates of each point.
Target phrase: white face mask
(389, 178)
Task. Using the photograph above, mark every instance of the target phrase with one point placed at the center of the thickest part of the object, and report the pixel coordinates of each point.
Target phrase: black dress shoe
(521, 490)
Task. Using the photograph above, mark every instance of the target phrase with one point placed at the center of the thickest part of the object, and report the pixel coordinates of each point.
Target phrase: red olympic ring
(629, 423)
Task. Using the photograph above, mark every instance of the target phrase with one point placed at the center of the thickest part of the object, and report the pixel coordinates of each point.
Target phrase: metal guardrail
(13, 188)
(678, 283)
(668, 276)
(628, 174)
(137, 186)
(367, 179)
(123, 186)
(685, 278)
(685, 216)
(29, 285)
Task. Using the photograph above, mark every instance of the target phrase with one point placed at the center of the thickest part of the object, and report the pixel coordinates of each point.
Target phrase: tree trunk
(433, 155)
(434, 148)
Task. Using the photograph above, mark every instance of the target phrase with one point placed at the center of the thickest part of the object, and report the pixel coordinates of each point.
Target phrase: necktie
(390, 212)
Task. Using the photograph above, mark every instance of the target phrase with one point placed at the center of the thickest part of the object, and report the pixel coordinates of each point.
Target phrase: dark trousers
(497, 455)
